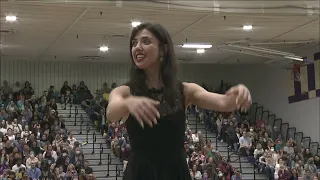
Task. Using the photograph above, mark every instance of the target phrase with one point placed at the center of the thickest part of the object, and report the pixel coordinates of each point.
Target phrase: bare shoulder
(188, 91)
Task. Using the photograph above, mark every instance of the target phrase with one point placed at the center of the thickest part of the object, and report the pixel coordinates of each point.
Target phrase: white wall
(269, 87)
(42, 74)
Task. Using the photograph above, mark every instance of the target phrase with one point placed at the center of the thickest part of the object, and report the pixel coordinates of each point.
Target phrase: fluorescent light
(294, 58)
(11, 18)
(200, 51)
(104, 48)
(135, 23)
(247, 27)
(197, 46)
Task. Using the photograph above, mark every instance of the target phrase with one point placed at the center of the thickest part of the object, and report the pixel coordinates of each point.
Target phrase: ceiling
(55, 30)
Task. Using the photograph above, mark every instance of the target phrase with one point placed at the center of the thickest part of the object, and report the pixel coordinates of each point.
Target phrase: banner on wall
(304, 81)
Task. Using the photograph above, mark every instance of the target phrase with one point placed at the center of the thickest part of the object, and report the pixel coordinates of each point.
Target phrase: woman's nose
(138, 46)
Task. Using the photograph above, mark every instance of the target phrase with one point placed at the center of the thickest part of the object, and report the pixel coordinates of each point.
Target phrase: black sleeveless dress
(158, 153)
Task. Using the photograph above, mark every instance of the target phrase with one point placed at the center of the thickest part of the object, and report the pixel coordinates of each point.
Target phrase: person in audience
(6, 88)
(153, 103)
(65, 92)
(245, 144)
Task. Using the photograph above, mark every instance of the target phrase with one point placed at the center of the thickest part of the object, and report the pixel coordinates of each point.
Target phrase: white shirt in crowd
(72, 141)
(3, 130)
(17, 128)
(12, 137)
(195, 138)
(16, 168)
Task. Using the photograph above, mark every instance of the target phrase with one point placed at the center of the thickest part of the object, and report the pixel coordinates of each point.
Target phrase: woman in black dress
(153, 103)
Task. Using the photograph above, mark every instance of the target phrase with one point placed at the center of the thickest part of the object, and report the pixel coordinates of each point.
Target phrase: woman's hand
(242, 97)
(143, 109)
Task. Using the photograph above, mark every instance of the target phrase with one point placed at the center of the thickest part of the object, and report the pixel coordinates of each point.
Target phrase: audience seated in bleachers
(35, 143)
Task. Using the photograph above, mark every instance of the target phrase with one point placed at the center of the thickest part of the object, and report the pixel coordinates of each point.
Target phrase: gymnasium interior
(60, 60)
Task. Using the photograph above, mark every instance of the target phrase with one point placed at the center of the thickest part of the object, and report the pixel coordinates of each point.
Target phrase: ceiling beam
(197, 21)
(282, 34)
(63, 33)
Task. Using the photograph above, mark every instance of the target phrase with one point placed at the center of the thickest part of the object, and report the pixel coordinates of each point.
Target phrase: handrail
(240, 164)
(75, 115)
(88, 130)
(109, 162)
(254, 170)
(76, 109)
(117, 171)
(70, 110)
(101, 151)
(65, 105)
(217, 134)
(197, 117)
(93, 141)
(229, 159)
(81, 123)
(206, 131)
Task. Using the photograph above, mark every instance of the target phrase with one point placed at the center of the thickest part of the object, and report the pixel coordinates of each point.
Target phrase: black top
(158, 152)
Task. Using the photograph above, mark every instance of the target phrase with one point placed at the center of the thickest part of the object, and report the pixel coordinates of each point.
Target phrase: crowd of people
(36, 144)
(277, 158)
(204, 160)
(35, 141)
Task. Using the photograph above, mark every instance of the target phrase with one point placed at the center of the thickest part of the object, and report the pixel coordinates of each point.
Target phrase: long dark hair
(168, 69)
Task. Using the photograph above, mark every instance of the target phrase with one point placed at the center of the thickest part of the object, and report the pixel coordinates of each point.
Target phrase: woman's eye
(134, 43)
(147, 41)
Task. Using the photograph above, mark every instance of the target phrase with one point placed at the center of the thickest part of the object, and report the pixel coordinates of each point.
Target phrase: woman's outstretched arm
(238, 97)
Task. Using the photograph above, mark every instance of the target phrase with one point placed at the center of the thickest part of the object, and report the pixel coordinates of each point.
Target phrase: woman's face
(145, 50)
(194, 167)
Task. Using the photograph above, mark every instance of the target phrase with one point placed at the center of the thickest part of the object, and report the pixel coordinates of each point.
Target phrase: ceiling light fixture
(197, 46)
(11, 18)
(104, 48)
(294, 58)
(200, 51)
(247, 27)
(135, 23)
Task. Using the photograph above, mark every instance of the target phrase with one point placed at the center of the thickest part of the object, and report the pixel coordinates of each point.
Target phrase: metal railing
(94, 139)
(81, 123)
(87, 134)
(65, 105)
(236, 160)
(254, 170)
(118, 171)
(75, 115)
(69, 109)
(101, 152)
(109, 162)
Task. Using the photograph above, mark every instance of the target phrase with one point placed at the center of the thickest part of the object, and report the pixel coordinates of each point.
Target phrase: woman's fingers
(144, 110)
(152, 112)
(144, 116)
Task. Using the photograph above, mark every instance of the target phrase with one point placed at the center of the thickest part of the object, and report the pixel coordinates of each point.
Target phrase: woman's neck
(153, 78)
